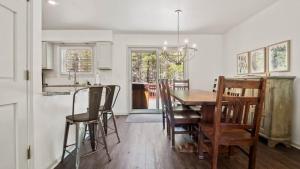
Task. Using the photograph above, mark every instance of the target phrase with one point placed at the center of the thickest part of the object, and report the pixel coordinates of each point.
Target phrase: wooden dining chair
(240, 126)
(89, 118)
(162, 82)
(162, 100)
(176, 117)
(181, 84)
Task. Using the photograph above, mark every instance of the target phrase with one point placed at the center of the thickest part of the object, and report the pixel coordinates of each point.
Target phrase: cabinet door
(47, 58)
(44, 55)
(266, 114)
(104, 55)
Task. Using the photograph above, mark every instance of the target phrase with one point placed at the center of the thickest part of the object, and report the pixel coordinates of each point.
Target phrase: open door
(13, 84)
(144, 80)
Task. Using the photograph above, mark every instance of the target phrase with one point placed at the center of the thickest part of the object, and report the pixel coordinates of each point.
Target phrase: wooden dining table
(196, 97)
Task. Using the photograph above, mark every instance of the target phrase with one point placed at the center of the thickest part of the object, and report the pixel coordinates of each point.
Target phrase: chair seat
(229, 136)
(82, 117)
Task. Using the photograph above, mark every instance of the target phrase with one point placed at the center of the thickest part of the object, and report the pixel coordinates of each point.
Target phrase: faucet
(74, 68)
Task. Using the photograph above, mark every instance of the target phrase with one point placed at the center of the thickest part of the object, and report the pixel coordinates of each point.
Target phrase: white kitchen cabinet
(104, 55)
(47, 55)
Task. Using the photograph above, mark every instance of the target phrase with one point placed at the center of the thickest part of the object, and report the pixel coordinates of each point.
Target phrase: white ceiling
(150, 16)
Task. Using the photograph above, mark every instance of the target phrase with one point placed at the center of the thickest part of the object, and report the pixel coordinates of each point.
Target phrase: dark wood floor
(145, 146)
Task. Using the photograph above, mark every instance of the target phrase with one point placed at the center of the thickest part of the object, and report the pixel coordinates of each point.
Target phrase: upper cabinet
(47, 55)
(104, 55)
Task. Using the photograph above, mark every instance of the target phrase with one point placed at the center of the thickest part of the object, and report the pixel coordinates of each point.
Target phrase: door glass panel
(144, 78)
(170, 70)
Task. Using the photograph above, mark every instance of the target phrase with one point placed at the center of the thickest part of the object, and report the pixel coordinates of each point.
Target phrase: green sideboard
(278, 109)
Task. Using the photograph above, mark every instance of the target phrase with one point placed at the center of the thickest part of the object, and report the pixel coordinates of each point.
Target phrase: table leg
(207, 112)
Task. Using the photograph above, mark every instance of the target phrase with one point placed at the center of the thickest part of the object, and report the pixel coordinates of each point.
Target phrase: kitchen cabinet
(104, 55)
(47, 55)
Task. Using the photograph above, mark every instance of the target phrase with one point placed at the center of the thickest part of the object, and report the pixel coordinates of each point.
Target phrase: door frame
(30, 67)
(129, 70)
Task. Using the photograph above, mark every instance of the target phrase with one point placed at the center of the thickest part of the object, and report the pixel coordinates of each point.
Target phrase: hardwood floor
(145, 146)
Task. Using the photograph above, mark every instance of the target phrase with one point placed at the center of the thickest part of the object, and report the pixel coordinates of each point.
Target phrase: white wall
(203, 67)
(50, 111)
(277, 23)
(77, 35)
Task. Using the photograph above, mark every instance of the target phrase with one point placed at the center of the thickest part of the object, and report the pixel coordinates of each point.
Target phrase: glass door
(144, 73)
(170, 70)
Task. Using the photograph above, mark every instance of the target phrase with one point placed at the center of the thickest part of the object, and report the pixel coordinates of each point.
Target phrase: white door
(13, 85)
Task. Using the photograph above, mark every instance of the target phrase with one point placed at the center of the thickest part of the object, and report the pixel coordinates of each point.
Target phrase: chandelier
(182, 52)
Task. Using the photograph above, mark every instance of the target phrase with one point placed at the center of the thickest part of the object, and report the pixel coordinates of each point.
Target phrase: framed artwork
(258, 61)
(279, 57)
(242, 63)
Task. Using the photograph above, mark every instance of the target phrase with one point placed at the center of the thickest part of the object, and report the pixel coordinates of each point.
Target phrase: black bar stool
(90, 118)
(111, 99)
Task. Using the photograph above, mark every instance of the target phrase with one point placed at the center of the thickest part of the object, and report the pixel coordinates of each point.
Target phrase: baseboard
(297, 146)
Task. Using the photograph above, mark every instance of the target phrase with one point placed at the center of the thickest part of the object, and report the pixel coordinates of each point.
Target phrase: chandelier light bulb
(186, 41)
(52, 2)
(194, 45)
(164, 48)
(165, 42)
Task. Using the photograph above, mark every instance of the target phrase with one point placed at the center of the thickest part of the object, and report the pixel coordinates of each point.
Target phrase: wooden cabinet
(47, 55)
(278, 108)
(104, 55)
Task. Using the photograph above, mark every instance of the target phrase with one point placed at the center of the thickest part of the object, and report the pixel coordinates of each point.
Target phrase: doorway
(144, 71)
(147, 66)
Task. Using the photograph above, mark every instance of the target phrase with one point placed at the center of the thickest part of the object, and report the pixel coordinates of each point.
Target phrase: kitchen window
(77, 58)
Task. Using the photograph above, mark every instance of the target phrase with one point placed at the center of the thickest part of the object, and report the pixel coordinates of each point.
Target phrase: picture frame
(279, 57)
(257, 61)
(243, 63)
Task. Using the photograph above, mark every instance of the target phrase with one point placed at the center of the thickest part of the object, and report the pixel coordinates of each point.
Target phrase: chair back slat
(165, 91)
(95, 96)
(236, 108)
(162, 94)
(242, 84)
(111, 97)
(181, 84)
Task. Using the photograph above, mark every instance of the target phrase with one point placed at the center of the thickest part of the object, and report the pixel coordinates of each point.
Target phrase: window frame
(76, 46)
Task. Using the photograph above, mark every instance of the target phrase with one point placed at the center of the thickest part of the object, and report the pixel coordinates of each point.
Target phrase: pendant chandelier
(183, 52)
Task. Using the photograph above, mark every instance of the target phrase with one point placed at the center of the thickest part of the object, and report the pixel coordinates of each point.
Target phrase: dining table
(197, 97)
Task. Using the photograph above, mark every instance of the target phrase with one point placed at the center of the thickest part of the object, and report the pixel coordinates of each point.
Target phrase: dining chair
(181, 84)
(162, 82)
(240, 125)
(90, 118)
(162, 100)
(177, 117)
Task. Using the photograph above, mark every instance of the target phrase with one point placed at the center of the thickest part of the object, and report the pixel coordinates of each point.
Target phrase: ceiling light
(184, 52)
(52, 2)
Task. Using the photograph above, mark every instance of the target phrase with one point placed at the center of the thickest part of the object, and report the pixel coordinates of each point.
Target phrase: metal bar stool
(90, 118)
(108, 108)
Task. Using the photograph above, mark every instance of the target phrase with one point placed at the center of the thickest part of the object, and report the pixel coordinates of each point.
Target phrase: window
(170, 70)
(77, 58)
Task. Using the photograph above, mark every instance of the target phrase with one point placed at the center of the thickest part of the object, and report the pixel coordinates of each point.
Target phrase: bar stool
(111, 99)
(90, 118)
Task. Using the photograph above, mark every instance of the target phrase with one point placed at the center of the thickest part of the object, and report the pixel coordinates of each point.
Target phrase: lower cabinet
(278, 108)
